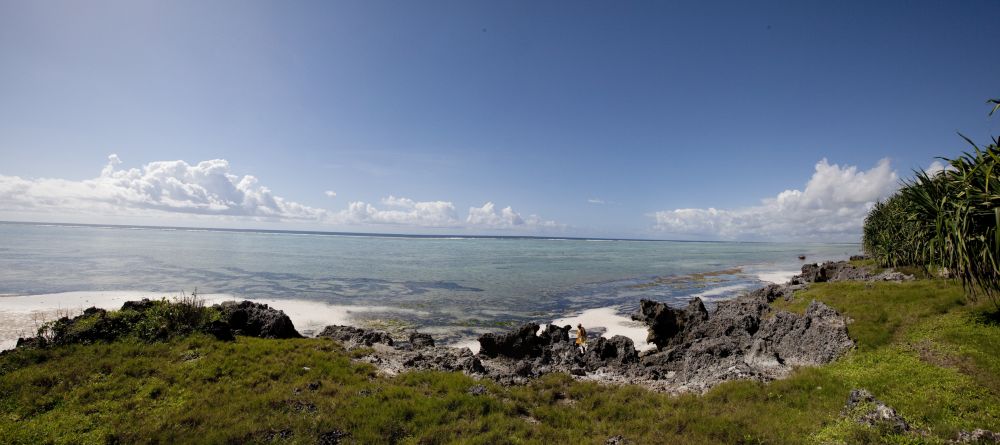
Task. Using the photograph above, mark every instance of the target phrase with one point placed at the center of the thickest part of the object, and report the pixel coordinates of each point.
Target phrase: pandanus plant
(949, 218)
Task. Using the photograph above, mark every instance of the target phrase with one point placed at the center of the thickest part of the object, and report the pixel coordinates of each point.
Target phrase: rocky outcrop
(742, 338)
(745, 339)
(864, 408)
(256, 320)
(977, 435)
(667, 324)
(844, 271)
(353, 336)
(819, 336)
(420, 341)
(518, 344)
(419, 354)
(157, 320)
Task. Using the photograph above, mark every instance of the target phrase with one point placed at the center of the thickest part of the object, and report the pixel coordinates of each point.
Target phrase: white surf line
(719, 291)
(777, 276)
(21, 316)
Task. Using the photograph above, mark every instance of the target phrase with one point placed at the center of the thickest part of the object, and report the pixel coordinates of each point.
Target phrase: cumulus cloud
(402, 211)
(831, 207)
(206, 188)
(937, 167)
(210, 189)
(487, 216)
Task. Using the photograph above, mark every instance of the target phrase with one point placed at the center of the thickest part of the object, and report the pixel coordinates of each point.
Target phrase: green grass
(922, 351)
(880, 310)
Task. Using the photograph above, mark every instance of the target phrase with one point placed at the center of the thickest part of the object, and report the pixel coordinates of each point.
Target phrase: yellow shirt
(581, 336)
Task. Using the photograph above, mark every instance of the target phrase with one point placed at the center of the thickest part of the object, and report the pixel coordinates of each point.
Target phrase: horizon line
(391, 235)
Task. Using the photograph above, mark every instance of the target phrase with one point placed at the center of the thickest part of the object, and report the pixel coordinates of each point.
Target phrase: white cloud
(595, 201)
(206, 188)
(937, 167)
(209, 189)
(406, 212)
(832, 207)
(488, 217)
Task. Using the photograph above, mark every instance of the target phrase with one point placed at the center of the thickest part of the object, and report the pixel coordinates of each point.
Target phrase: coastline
(774, 348)
(22, 315)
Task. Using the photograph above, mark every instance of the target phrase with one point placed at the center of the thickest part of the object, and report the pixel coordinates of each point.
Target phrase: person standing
(581, 338)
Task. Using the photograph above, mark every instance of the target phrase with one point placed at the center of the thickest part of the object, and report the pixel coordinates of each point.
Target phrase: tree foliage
(949, 218)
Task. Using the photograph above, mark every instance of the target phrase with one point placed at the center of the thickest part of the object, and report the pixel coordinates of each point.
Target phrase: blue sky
(601, 118)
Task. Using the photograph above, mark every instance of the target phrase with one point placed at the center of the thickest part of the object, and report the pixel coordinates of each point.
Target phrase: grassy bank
(922, 349)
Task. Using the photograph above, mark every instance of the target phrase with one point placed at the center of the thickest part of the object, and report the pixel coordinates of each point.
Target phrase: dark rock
(865, 409)
(771, 292)
(555, 334)
(667, 324)
(977, 435)
(273, 435)
(332, 437)
(616, 351)
(518, 344)
(301, 406)
(831, 271)
(471, 365)
(813, 273)
(418, 340)
(31, 342)
(256, 320)
(314, 386)
(477, 390)
(618, 440)
(739, 340)
(138, 306)
(817, 337)
(523, 369)
(220, 330)
(356, 336)
(892, 276)
(859, 257)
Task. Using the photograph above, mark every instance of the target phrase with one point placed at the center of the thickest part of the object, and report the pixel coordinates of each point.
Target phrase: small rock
(617, 440)
(332, 437)
(471, 365)
(477, 390)
(875, 412)
(977, 435)
(420, 341)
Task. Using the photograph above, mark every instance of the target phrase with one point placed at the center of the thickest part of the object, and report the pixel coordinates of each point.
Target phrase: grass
(922, 350)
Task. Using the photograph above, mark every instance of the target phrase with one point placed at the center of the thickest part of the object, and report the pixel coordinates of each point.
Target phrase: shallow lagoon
(452, 287)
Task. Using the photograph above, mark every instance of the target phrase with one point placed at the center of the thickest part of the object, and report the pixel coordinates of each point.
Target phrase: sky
(752, 121)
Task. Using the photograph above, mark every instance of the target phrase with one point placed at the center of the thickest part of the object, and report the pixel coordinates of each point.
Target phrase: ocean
(453, 287)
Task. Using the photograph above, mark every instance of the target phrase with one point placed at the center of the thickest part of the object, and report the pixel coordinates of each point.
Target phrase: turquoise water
(461, 285)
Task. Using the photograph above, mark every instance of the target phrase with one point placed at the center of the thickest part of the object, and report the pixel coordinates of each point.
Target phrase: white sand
(614, 323)
(777, 276)
(20, 316)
